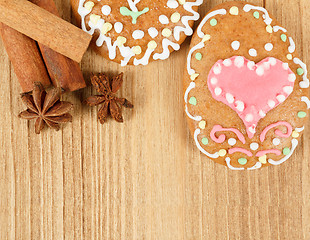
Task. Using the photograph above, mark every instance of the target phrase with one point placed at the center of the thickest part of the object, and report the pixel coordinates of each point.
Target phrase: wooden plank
(143, 179)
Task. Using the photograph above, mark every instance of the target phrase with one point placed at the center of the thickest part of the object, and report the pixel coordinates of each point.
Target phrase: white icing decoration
(232, 141)
(145, 60)
(153, 32)
(268, 47)
(253, 52)
(118, 26)
(305, 83)
(254, 146)
(106, 10)
(138, 34)
(258, 165)
(197, 118)
(188, 6)
(267, 18)
(277, 28)
(215, 155)
(132, 5)
(235, 45)
(307, 101)
(166, 53)
(230, 166)
(292, 46)
(210, 15)
(172, 4)
(163, 19)
(276, 141)
(189, 56)
(299, 129)
(294, 145)
(191, 86)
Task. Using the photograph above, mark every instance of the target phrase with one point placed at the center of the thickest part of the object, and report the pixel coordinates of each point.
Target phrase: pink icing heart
(250, 89)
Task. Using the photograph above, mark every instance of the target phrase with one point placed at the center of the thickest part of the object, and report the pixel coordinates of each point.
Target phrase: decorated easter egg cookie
(137, 31)
(246, 89)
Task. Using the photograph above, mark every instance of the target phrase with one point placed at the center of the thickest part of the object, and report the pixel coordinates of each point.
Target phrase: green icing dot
(300, 71)
(198, 56)
(283, 37)
(242, 161)
(302, 114)
(286, 151)
(213, 22)
(256, 15)
(205, 141)
(193, 101)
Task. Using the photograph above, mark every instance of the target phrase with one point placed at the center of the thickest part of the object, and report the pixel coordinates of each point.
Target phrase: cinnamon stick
(25, 57)
(63, 71)
(45, 27)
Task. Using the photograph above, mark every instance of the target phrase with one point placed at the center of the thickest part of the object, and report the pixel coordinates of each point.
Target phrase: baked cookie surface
(246, 90)
(136, 31)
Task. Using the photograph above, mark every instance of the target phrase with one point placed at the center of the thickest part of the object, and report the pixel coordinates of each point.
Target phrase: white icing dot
(118, 26)
(217, 91)
(276, 141)
(239, 62)
(153, 32)
(254, 146)
(235, 45)
(252, 129)
(272, 61)
(260, 71)
(138, 34)
(271, 103)
(230, 98)
(266, 65)
(288, 89)
(106, 10)
(281, 98)
(262, 114)
(253, 52)
(227, 62)
(251, 65)
(268, 47)
(217, 69)
(285, 66)
(240, 106)
(163, 19)
(292, 77)
(213, 81)
(232, 141)
(172, 4)
(249, 118)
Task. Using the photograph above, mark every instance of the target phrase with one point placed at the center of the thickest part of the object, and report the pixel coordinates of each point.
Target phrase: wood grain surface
(143, 179)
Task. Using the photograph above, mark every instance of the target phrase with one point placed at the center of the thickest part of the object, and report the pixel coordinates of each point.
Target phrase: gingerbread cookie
(137, 31)
(246, 89)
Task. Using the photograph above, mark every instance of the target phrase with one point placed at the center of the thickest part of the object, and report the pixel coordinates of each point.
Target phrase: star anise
(111, 105)
(46, 108)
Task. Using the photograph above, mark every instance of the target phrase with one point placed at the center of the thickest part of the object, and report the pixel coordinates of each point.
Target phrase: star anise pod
(46, 108)
(111, 105)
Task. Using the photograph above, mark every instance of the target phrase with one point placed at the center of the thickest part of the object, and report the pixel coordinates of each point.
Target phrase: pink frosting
(222, 137)
(250, 89)
(288, 133)
(242, 150)
(274, 151)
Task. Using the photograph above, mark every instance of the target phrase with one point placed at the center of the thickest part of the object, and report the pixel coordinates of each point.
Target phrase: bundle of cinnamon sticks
(37, 61)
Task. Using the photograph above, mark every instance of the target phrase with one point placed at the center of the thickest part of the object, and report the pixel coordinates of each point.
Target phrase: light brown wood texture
(45, 28)
(144, 179)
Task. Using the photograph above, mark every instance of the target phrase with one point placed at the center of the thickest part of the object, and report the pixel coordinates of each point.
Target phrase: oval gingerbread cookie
(136, 31)
(246, 89)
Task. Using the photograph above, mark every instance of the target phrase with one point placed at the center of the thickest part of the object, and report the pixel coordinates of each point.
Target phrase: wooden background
(144, 179)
